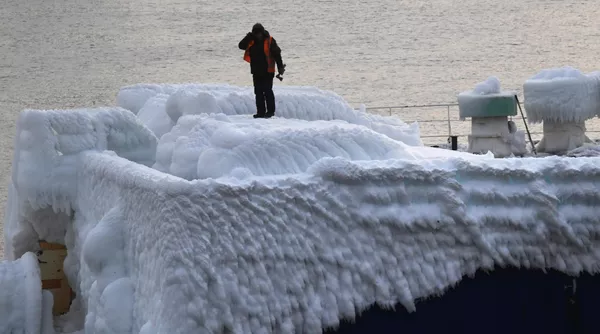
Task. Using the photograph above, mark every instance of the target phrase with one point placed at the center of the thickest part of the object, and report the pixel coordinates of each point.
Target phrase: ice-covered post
(563, 99)
(489, 108)
(24, 307)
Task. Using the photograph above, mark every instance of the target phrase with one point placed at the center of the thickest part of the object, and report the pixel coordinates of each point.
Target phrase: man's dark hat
(258, 28)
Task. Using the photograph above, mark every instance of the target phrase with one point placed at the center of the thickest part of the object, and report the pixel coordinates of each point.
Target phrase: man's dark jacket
(258, 59)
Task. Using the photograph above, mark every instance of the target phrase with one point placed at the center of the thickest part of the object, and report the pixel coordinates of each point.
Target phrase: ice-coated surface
(303, 251)
(296, 251)
(47, 144)
(203, 146)
(23, 307)
(562, 95)
(305, 103)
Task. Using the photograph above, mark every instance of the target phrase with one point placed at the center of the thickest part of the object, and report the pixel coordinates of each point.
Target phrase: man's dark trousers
(263, 88)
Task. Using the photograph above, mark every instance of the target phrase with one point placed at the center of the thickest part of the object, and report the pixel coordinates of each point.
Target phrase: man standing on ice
(262, 52)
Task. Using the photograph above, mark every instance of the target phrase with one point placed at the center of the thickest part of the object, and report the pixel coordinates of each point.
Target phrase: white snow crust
(155, 104)
(314, 223)
(563, 95)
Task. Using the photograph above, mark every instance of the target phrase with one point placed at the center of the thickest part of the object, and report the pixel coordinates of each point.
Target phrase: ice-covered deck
(281, 225)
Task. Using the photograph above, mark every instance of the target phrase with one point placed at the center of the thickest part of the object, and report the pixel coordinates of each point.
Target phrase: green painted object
(492, 105)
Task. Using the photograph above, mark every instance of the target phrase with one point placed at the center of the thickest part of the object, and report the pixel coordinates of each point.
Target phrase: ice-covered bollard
(23, 306)
(563, 99)
(489, 108)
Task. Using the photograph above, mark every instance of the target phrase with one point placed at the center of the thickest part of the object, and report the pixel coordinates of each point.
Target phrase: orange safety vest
(267, 47)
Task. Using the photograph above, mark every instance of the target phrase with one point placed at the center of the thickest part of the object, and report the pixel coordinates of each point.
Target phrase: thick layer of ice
(305, 103)
(562, 95)
(151, 252)
(47, 144)
(22, 306)
(300, 252)
(206, 146)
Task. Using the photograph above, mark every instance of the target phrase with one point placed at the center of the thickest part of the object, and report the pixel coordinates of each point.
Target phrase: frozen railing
(442, 121)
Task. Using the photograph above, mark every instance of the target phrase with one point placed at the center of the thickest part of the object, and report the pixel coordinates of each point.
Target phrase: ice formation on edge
(306, 249)
(53, 139)
(293, 252)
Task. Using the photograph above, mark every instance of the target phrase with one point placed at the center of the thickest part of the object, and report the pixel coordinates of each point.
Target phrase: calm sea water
(77, 53)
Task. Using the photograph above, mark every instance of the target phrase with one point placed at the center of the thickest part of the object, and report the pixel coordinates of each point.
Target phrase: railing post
(449, 125)
(454, 142)
(390, 111)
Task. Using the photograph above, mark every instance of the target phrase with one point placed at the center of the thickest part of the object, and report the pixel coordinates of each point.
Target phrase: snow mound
(490, 86)
(586, 150)
(219, 145)
(190, 102)
(23, 306)
(563, 95)
(292, 102)
(153, 115)
(516, 140)
(134, 97)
